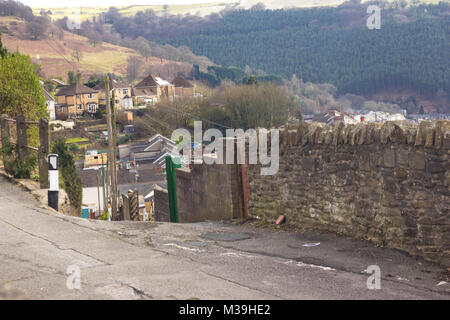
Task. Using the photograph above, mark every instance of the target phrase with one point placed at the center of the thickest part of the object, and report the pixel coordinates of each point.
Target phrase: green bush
(20, 170)
(101, 113)
(74, 148)
(23, 170)
(70, 177)
(123, 139)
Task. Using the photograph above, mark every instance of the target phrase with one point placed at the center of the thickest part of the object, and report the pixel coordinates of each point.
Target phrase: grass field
(76, 140)
(56, 56)
(88, 12)
(199, 9)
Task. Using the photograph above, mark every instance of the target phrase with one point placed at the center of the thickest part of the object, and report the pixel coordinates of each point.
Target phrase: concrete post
(22, 139)
(53, 191)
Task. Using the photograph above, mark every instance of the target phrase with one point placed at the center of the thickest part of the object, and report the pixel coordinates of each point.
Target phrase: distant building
(183, 88)
(150, 88)
(380, 116)
(144, 97)
(127, 102)
(121, 92)
(58, 82)
(130, 155)
(50, 103)
(128, 116)
(95, 158)
(143, 179)
(75, 100)
(128, 129)
(429, 116)
(332, 116)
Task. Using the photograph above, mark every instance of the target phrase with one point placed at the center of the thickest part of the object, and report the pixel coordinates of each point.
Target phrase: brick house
(75, 100)
(151, 87)
(50, 103)
(121, 91)
(183, 88)
(144, 96)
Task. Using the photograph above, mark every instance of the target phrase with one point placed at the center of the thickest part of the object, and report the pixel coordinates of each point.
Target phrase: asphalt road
(42, 253)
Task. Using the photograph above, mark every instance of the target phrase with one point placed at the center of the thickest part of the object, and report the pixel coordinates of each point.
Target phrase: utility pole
(112, 153)
(105, 203)
(114, 124)
(98, 190)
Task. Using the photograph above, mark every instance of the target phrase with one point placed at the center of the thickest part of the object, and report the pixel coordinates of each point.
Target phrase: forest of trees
(36, 26)
(324, 45)
(320, 45)
(243, 106)
(334, 45)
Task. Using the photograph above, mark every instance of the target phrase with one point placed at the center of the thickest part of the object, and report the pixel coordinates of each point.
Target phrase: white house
(50, 103)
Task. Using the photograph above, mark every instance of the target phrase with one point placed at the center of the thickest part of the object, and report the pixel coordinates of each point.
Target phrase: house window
(79, 107)
(92, 108)
(125, 91)
(78, 96)
(90, 96)
(116, 101)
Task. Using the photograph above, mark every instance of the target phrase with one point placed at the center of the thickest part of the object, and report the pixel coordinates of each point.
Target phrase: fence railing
(22, 143)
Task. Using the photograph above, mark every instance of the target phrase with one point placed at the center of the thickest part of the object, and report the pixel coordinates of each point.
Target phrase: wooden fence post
(126, 208)
(22, 138)
(5, 138)
(43, 154)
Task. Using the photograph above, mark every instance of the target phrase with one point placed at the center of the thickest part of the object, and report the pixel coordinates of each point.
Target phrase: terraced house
(151, 90)
(183, 88)
(75, 100)
(119, 90)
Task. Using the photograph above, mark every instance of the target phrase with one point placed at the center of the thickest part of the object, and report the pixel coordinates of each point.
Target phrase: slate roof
(113, 84)
(147, 174)
(181, 82)
(152, 81)
(73, 89)
(143, 92)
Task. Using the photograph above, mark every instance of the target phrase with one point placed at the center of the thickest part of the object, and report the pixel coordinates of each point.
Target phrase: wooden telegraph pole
(111, 153)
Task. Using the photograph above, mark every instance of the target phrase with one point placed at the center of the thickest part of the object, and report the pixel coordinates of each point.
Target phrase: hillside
(201, 9)
(128, 11)
(55, 55)
(333, 45)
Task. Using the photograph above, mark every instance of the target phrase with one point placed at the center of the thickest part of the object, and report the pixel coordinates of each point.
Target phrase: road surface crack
(53, 243)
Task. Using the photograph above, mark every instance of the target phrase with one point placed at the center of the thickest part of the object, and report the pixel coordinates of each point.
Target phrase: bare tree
(60, 33)
(133, 67)
(143, 47)
(37, 28)
(77, 55)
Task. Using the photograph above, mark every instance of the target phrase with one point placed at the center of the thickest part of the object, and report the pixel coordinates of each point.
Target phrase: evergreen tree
(20, 90)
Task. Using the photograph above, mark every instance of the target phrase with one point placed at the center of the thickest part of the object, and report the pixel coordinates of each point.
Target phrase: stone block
(417, 161)
(402, 157)
(389, 158)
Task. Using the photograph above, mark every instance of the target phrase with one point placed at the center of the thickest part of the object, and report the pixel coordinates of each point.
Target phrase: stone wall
(162, 212)
(388, 184)
(204, 192)
(66, 134)
(207, 192)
